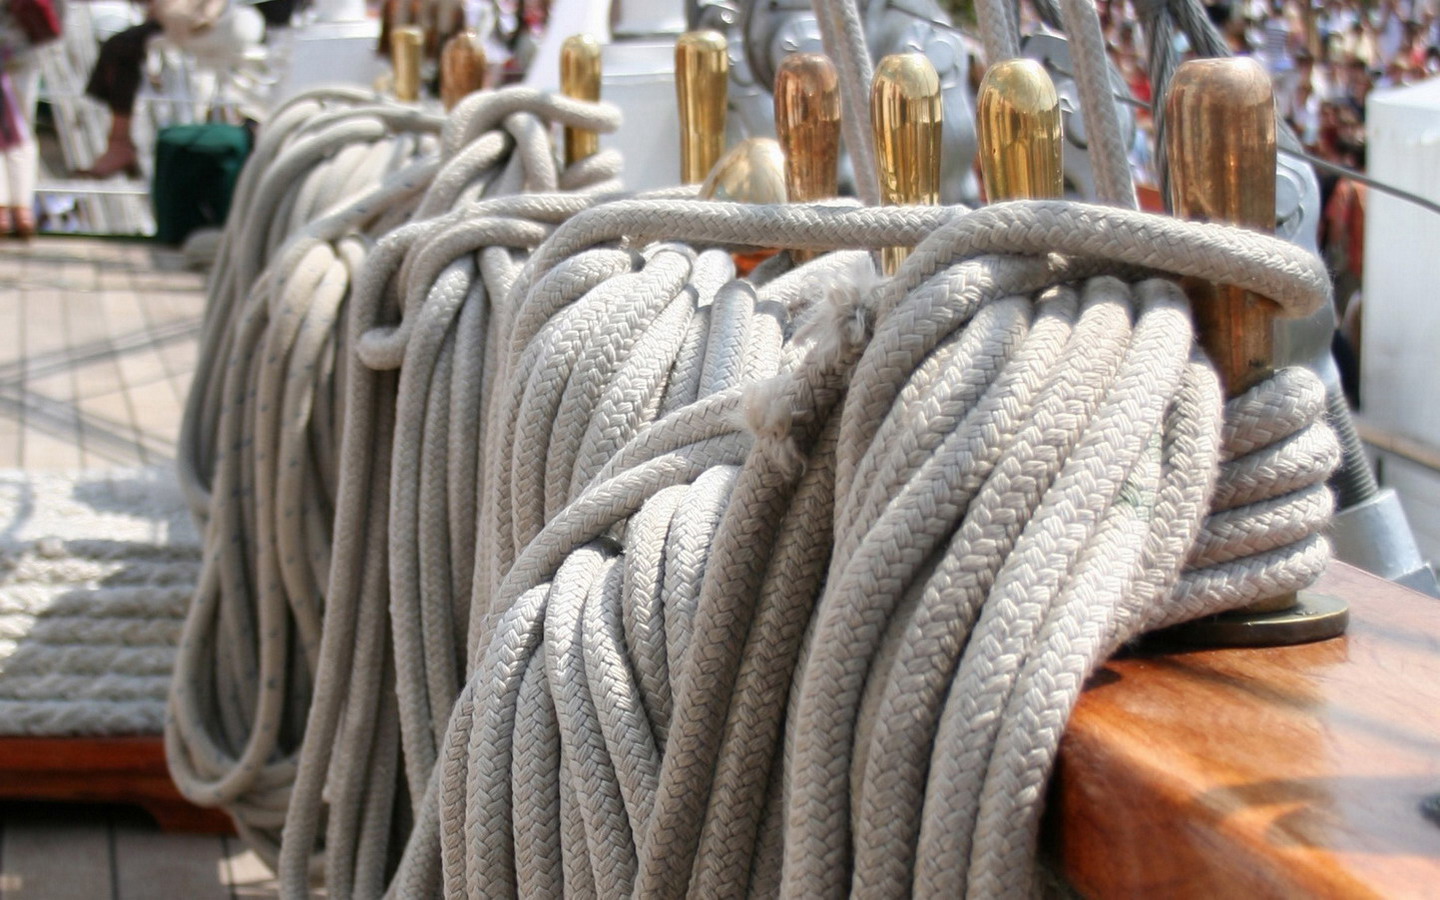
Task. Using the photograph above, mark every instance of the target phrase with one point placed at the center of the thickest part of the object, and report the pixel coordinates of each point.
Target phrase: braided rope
(611, 573)
(264, 433)
(640, 610)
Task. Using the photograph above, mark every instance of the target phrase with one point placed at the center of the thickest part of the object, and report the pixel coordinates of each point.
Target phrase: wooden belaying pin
(406, 44)
(1018, 120)
(905, 113)
(462, 67)
(1220, 139)
(702, 79)
(807, 120)
(580, 78)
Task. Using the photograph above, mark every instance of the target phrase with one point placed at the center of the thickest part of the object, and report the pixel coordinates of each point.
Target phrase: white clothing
(19, 163)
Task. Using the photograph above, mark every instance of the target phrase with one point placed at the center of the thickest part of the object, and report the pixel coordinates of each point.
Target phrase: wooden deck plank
(154, 866)
(173, 321)
(247, 876)
(145, 379)
(55, 853)
(52, 424)
(12, 383)
(97, 346)
(107, 421)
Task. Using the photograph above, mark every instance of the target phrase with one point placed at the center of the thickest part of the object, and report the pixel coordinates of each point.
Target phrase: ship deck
(98, 339)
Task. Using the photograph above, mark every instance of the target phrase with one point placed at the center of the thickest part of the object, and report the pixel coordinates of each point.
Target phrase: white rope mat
(96, 571)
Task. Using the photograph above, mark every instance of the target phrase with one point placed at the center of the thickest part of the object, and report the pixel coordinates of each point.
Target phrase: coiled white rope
(620, 731)
(314, 157)
(829, 650)
(275, 408)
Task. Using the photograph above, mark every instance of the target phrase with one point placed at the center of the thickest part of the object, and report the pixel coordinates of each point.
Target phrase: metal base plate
(1314, 617)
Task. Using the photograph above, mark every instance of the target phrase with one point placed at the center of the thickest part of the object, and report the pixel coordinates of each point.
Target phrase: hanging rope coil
(266, 433)
(1017, 463)
(407, 573)
(572, 563)
(314, 157)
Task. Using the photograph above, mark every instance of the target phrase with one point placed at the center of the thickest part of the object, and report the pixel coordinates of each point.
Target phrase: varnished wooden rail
(128, 771)
(1280, 772)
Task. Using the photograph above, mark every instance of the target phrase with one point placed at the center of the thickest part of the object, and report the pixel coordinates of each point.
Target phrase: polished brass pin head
(906, 115)
(1019, 131)
(1220, 130)
(462, 67)
(702, 73)
(407, 43)
(580, 78)
(807, 120)
(753, 171)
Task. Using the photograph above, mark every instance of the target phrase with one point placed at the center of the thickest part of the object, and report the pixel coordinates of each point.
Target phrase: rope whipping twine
(989, 470)
(240, 698)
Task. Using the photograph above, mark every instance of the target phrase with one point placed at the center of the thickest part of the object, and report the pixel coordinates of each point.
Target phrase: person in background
(1356, 88)
(1389, 30)
(19, 154)
(1397, 73)
(1335, 22)
(1300, 106)
(115, 80)
(1362, 43)
(1415, 48)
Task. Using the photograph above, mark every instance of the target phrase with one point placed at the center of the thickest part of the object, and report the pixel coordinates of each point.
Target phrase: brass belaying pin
(807, 120)
(1018, 120)
(1220, 138)
(406, 44)
(752, 171)
(462, 67)
(580, 79)
(905, 113)
(702, 73)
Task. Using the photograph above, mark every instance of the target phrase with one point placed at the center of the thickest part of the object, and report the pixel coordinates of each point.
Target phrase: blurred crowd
(1325, 58)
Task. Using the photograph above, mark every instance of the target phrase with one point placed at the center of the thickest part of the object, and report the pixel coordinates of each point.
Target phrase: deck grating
(98, 340)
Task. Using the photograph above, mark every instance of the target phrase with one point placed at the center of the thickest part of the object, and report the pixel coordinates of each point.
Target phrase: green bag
(196, 167)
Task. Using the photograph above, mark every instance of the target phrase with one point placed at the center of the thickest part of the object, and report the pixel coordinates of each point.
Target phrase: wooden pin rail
(1293, 771)
(1277, 772)
(127, 771)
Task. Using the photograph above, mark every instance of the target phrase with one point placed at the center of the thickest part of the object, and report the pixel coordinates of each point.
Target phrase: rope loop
(788, 585)
(610, 572)
(308, 318)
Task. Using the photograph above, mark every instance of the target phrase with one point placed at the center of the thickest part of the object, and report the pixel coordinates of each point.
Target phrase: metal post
(702, 73)
(1018, 121)
(406, 44)
(580, 78)
(905, 113)
(807, 120)
(462, 68)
